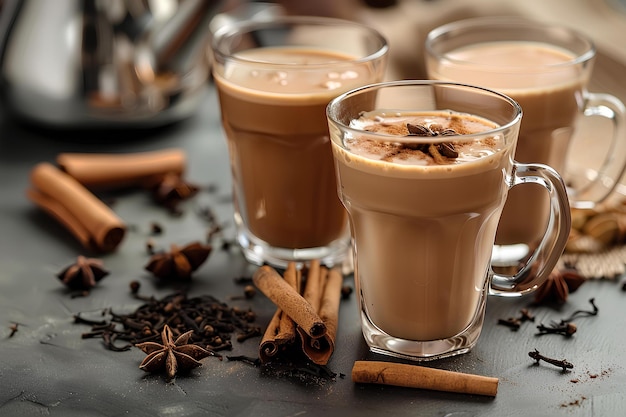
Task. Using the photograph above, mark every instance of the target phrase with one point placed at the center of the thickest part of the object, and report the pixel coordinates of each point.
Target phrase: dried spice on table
(172, 354)
(211, 321)
(514, 323)
(84, 274)
(13, 329)
(179, 263)
(303, 323)
(566, 329)
(559, 284)
(563, 363)
(172, 190)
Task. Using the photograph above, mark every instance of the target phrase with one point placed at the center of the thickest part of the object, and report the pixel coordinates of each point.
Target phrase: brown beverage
(275, 122)
(423, 226)
(540, 77)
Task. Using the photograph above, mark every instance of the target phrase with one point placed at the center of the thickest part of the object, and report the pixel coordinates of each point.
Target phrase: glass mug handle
(546, 255)
(614, 164)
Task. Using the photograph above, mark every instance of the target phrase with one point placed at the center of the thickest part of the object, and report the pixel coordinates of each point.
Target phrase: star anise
(84, 274)
(446, 149)
(179, 263)
(172, 190)
(559, 285)
(172, 355)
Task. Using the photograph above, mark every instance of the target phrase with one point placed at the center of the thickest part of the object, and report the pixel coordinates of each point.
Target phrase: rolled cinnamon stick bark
(107, 171)
(314, 284)
(269, 281)
(414, 376)
(270, 344)
(287, 330)
(91, 221)
(321, 349)
(281, 330)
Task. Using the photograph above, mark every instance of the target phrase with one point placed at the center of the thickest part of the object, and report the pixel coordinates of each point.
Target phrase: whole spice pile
(203, 321)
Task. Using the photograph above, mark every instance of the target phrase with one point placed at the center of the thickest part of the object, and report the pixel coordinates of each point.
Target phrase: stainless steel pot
(114, 63)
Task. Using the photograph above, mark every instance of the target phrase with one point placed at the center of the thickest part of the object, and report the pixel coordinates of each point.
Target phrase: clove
(511, 322)
(514, 323)
(566, 329)
(564, 364)
(13, 327)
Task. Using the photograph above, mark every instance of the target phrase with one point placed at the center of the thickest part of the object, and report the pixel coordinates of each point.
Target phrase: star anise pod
(84, 274)
(172, 190)
(179, 263)
(438, 150)
(171, 355)
(559, 285)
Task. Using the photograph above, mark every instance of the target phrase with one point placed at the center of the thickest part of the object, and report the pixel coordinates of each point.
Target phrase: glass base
(259, 252)
(428, 350)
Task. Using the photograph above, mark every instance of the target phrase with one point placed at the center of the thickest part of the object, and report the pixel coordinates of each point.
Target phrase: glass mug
(423, 221)
(274, 79)
(546, 69)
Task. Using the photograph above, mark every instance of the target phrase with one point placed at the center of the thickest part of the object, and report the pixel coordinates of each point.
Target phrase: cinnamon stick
(314, 284)
(321, 349)
(269, 281)
(107, 171)
(270, 343)
(414, 376)
(287, 325)
(91, 221)
(281, 331)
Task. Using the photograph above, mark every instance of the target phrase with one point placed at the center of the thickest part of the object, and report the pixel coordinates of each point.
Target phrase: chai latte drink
(546, 69)
(550, 101)
(424, 227)
(424, 169)
(273, 102)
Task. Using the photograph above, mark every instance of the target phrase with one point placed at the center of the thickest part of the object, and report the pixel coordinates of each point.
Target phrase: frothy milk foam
(540, 77)
(277, 132)
(424, 230)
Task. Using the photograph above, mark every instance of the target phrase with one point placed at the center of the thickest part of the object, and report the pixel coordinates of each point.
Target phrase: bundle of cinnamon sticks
(65, 191)
(306, 318)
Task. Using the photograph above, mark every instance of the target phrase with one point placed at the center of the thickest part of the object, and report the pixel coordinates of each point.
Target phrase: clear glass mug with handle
(546, 69)
(424, 169)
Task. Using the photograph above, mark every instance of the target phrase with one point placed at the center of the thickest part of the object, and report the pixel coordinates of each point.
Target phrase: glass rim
(244, 26)
(489, 22)
(499, 130)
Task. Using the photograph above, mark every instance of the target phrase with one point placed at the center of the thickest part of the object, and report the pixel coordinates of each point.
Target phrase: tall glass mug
(545, 69)
(274, 79)
(424, 169)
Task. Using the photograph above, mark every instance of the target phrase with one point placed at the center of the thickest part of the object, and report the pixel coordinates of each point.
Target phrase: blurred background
(145, 63)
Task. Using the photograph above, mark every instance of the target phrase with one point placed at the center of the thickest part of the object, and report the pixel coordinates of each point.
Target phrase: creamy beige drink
(275, 122)
(542, 79)
(424, 169)
(423, 222)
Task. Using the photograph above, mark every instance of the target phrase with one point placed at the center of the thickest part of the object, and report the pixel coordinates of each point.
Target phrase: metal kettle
(113, 63)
